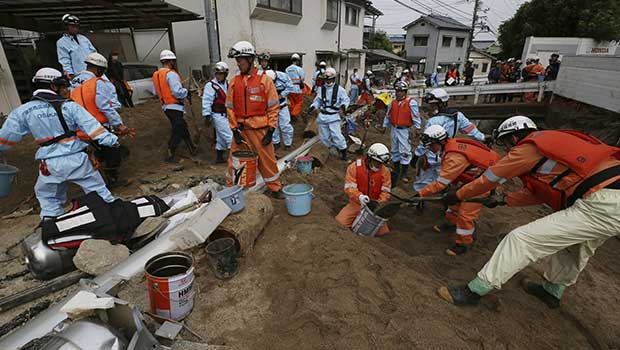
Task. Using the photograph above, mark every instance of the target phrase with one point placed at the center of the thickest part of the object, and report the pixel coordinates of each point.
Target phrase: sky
(395, 16)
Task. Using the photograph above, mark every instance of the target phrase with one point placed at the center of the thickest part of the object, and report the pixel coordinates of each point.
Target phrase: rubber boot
(396, 174)
(456, 249)
(403, 173)
(343, 154)
(219, 157)
(278, 195)
(171, 158)
(459, 296)
(537, 290)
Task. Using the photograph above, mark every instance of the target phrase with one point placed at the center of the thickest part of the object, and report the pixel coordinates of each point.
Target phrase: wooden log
(246, 226)
(312, 128)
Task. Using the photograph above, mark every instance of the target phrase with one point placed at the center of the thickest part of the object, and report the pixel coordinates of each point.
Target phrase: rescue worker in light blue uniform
(331, 98)
(61, 154)
(284, 86)
(72, 48)
(355, 81)
(435, 77)
(317, 78)
(453, 121)
(214, 110)
(403, 118)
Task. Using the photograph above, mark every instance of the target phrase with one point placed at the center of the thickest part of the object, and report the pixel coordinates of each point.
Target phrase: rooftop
(440, 22)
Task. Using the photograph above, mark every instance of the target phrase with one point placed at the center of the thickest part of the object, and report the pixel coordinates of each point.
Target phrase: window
(352, 14)
(420, 41)
(460, 42)
(485, 66)
(446, 41)
(332, 10)
(292, 6)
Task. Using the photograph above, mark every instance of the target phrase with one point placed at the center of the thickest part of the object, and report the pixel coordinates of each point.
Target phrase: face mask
(114, 57)
(330, 83)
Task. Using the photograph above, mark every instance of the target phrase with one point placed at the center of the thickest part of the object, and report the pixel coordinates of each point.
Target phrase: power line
(421, 4)
(448, 6)
(411, 8)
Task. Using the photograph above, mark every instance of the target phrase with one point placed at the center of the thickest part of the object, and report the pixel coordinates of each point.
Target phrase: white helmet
(369, 72)
(433, 134)
(221, 67)
(378, 152)
(295, 57)
(46, 75)
(536, 59)
(437, 95)
(470, 60)
(165, 55)
(438, 67)
(322, 64)
(70, 19)
(97, 60)
(330, 73)
(242, 49)
(406, 71)
(400, 86)
(271, 74)
(514, 124)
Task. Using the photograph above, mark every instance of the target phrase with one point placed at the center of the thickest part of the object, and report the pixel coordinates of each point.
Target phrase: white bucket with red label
(170, 283)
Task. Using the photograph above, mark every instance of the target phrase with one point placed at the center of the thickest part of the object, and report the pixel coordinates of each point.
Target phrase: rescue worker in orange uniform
(453, 77)
(367, 179)
(93, 91)
(462, 161)
(169, 88)
(253, 104)
(575, 174)
(535, 72)
(365, 87)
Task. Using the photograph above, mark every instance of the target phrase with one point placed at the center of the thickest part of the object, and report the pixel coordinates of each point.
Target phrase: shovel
(389, 209)
(155, 224)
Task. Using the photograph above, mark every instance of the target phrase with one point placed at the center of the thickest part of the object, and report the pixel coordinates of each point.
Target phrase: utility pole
(474, 21)
(212, 37)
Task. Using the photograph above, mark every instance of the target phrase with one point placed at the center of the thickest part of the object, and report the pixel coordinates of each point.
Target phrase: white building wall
(9, 98)
(543, 47)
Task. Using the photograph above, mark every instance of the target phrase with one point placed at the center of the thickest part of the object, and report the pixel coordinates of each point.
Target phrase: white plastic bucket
(367, 223)
(170, 283)
(233, 197)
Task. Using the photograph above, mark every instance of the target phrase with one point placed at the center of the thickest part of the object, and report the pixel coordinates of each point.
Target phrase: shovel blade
(387, 210)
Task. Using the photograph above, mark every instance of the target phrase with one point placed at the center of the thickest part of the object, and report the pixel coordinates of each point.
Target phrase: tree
(598, 19)
(379, 40)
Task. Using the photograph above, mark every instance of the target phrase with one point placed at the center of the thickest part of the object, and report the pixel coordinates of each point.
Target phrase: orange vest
(400, 113)
(249, 100)
(478, 155)
(452, 74)
(163, 89)
(85, 95)
(577, 151)
(363, 182)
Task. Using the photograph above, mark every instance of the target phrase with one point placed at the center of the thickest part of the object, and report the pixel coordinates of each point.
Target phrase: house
(491, 47)
(482, 61)
(436, 40)
(398, 43)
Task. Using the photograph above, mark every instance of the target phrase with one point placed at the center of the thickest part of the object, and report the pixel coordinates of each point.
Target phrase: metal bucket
(170, 283)
(245, 162)
(367, 223)
(223, 257)
(7, 173)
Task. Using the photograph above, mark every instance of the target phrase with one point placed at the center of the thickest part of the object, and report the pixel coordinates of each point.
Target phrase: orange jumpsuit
(350, 211)
(533, 72)
(255, 128)
(463, 214)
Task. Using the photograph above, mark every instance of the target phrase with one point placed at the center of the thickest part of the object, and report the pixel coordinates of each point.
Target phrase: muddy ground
(311, 284)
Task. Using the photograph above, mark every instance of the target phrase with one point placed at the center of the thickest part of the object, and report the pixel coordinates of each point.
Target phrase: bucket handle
(156, 288)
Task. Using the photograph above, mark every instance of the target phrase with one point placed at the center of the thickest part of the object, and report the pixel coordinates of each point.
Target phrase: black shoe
(219, 157)
(278, 195)
(343, 154)
(403, 173)
(457, 249)
(171, 159)
(459, 296)
(537, 290)
(276, 146)
(287, 148)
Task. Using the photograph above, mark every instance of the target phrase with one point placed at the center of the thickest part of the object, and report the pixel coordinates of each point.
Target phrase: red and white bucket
(244, 165)
(170, 283)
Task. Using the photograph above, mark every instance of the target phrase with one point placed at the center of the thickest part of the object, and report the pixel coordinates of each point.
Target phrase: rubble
(96, 256)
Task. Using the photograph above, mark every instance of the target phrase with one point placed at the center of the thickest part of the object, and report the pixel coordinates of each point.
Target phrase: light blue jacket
(415, 115)
(72, 53)
(435, 79)
(284, 86)
(40, 119)
(105, 99)
(463, 125)
(297, 75)
(177, 89)
(209, 95)
(328, 112)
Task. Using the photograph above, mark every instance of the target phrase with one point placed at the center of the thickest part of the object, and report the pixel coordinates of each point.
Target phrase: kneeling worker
(367, 179)
(463, 160)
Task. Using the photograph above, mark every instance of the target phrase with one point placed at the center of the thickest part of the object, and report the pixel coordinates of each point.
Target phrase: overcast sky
(395, 16)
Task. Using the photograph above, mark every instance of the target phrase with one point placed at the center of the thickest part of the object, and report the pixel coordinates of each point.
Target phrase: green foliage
(380, 40)
(598, 19)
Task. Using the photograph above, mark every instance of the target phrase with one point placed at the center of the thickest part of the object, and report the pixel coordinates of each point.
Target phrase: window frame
(462, 40)
(415, 37)
(443, 41)
(327, 18)
(290, 10)
(485, 67)
(352, 9)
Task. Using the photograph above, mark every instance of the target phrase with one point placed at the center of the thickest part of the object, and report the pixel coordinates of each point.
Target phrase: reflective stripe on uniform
(462, 231)
(443, 180)
(470, 128)
(271, 179)
(547, 166)
(492, 177)
(7, 142)
(358, 162)
(350, 185)
(386, 189)
(273, 103)
(100, 130)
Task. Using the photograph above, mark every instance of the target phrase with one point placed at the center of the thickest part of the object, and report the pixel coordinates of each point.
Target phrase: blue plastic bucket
(233, 197)
(7, 173)
(298, 199)
(304, 164)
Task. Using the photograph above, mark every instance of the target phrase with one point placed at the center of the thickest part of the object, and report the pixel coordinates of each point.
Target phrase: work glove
(123, 131)
(494, 200)
(268, 136)
(450, 197)
(238, 137)
(364, 199)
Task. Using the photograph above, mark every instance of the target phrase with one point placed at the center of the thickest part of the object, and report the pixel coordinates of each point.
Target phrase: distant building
(398, 43)
(436, 40)
(482, 61)
(491, 47)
